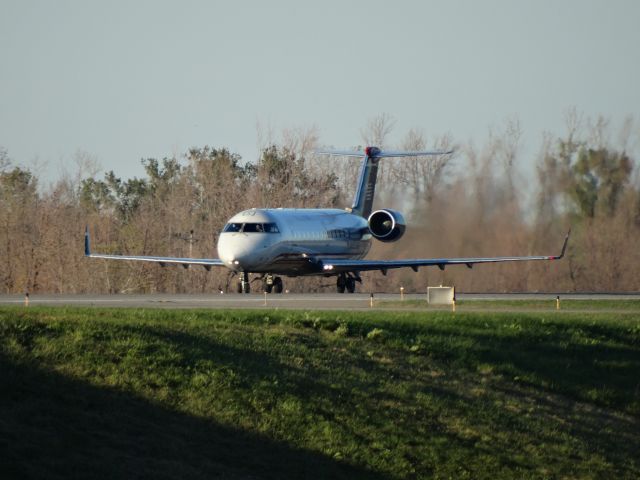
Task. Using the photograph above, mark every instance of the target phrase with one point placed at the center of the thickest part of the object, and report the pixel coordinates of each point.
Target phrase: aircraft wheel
(341, 283)
(351, 285)
(243, 283)
(277, 285)
(267, 288)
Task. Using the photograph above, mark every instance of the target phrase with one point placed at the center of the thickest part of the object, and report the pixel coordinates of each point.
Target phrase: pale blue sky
(124, 80)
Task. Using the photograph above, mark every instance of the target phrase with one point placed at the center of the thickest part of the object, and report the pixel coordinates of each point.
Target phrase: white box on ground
(441, 295)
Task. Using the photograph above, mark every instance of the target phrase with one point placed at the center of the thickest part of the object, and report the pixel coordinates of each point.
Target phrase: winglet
(564, 245)
(87, 242)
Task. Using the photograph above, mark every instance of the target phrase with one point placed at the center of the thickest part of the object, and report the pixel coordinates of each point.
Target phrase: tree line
(480, 201)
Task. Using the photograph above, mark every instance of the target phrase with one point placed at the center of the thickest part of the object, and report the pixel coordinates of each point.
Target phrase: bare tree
(473, 204)
(377, 130)
(5, 161)
(422, 175)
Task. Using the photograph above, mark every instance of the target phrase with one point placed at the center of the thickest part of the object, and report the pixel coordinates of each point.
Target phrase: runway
(319, 301)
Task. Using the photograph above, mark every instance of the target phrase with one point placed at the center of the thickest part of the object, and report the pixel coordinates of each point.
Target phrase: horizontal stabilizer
(394, 153)
(374, 152)
(363, 200)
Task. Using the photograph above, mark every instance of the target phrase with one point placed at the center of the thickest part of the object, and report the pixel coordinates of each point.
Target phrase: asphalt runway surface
(318, 301)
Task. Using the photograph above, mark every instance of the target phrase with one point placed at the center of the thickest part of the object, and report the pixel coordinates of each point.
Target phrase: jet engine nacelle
(387, 225)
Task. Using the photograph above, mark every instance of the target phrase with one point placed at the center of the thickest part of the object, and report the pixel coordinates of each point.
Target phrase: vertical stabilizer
(363, 199)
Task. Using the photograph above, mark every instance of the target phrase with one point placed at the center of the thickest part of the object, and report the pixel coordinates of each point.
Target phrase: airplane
(292, 242)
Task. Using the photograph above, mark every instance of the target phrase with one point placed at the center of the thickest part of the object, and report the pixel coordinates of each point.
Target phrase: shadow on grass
(596, 430)
(593, 363)
(53, 427)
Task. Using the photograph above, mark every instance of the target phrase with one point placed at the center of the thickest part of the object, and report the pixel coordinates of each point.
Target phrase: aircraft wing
(345, 265)
(185, 262)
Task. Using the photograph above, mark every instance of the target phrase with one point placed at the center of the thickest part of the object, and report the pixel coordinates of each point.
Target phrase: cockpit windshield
(251, 228)
(232, 227)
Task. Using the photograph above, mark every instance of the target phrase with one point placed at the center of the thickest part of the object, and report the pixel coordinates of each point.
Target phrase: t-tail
(365, 191)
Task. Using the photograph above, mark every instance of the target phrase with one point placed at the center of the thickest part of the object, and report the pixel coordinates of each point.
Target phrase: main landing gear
(269, 284)
(272, 284)
(346, 282)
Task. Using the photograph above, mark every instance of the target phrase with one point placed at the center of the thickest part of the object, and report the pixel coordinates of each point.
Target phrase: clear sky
(123, 80)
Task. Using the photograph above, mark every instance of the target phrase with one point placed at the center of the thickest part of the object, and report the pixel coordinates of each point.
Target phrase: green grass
(122, 393)
(626, 305)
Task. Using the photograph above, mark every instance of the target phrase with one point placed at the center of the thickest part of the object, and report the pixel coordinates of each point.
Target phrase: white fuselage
(291, 241)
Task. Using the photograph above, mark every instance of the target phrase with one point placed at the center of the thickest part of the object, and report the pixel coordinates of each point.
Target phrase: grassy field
(123, 393)
(617, 305)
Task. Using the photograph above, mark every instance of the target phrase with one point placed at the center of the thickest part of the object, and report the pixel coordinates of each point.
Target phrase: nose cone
(236, 250)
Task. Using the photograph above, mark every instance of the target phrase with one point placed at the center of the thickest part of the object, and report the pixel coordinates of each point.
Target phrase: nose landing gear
(243, 283)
